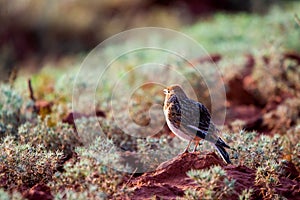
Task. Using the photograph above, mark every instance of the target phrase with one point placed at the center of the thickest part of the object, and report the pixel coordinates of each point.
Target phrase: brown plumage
(190, 120)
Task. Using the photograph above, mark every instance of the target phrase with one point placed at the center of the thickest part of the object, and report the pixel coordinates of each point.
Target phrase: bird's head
(175, 90)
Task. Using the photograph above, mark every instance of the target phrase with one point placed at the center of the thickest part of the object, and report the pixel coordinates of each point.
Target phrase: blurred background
(34, 32)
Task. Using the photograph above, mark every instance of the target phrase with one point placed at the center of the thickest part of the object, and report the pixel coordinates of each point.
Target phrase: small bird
(191, 121)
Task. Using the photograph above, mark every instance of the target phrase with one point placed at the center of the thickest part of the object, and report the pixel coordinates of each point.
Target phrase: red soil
(258, 113)
(38, 192)
(169, 180)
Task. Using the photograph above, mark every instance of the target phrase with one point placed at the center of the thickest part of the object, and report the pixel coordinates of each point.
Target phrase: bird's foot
(197, 143)
(185, 151)
(187, 148)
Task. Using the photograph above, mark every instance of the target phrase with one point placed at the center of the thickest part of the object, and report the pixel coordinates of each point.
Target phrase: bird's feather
(174, 111)
(199, 133)
(223, 153)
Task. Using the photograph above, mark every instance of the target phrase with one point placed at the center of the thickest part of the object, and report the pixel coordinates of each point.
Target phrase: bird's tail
(220, 144)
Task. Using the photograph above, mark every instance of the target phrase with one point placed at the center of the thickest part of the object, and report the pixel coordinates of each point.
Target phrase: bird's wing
(196, 120)
(195, 114)
(204, 115)
(191, 117)
(198, 132)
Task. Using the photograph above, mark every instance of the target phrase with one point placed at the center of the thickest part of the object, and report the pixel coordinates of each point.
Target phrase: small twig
(297, 19)
(129, 178)
(31, 91)
(13, 76)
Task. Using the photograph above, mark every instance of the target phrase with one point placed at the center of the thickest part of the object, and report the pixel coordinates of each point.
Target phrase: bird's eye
(166, 91)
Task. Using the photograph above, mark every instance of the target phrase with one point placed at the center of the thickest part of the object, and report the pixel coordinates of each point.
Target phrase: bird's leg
(197, 141)
(187, 148)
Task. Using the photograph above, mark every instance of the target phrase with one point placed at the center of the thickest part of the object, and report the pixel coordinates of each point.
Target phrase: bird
(191, 121)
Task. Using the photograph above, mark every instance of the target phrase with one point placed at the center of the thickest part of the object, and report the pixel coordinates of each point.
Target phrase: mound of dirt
(39, 191)
(255, 104)
(170, 180)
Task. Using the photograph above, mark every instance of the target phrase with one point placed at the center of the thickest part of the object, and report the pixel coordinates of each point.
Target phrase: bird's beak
(165, 91)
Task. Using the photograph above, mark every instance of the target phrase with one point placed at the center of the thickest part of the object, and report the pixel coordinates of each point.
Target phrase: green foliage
(92, 192)
(10, 110)
(280, 73)
(213, 182)
(25, 165)
(92, 174)
(292, 146)
(154, 151)
(267, 178)
(102, 150)
(4, 195)
(28, 158)
(232, 34)
(253, 150)
(246, 194)
(88, 129)
(191, 194)
(60, 137)
(83, 173)
(51, 83)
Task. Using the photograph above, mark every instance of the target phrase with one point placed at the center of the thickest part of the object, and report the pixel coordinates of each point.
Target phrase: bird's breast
(177, 131)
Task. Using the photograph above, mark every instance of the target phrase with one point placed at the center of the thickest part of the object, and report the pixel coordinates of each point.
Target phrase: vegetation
(208, 179)
(76, 160)
(24, 166)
